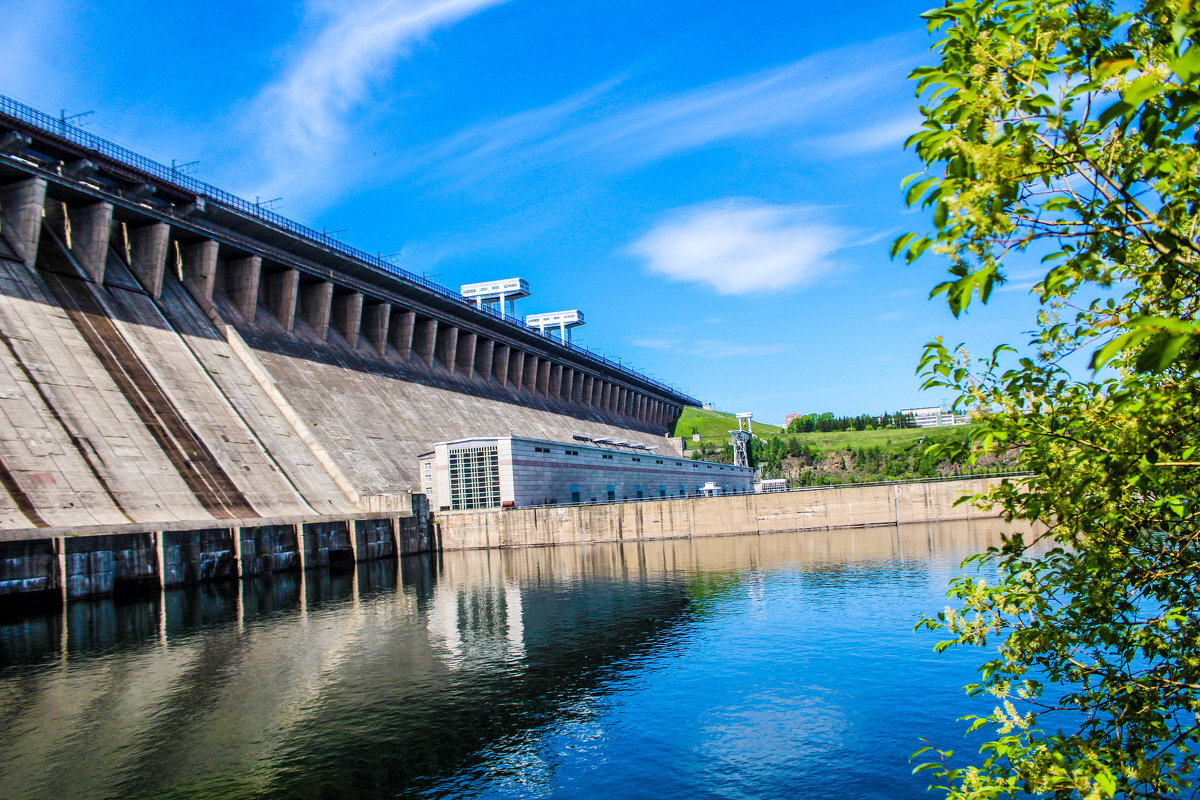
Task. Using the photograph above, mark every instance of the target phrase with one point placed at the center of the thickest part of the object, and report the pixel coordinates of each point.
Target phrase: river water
(734, 667)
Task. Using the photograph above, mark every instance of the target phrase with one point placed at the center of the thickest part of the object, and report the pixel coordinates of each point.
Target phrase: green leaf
(1142, 90)
(1187, 66)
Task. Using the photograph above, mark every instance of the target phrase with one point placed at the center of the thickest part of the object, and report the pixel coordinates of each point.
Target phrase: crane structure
(740, 439)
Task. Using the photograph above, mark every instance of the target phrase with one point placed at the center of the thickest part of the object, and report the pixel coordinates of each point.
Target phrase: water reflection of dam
(343, 683)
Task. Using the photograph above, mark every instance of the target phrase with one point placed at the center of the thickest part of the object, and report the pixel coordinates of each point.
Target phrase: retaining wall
(823, 508)
(64, 567)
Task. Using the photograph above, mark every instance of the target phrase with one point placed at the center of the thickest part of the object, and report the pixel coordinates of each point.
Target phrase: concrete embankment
(824, 508)
(77, 564)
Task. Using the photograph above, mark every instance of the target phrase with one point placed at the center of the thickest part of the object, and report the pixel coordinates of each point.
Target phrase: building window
(662, 491)
(541, 449)
(635, 458)
(612, 493)
(571, 452)
(474, 478)
(606, 455)
(658, 461)
(640, 495)
(682, 492)
(575, 494)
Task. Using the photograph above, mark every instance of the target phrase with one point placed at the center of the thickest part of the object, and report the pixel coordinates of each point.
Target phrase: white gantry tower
(564, 321)
(504, 293)
(741, 438)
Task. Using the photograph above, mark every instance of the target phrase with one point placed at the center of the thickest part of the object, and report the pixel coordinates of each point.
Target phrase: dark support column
(531, 368)
(605, 394)
(484, 350)
(447, 346)
(568, 384)
(347, 316)
(200, 267)
(90, 231)
(315, 301)
(148, 254)
(280, 291)
(543, 376)
(500, 357)
(376, 319)
(242, 276)
(401, 331)
(464, 356)
(516, 369)
(21, 207)
(425, 340)
(586, 393)
(554, 387)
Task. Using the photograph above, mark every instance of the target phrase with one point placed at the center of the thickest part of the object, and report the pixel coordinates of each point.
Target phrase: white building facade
(515, 471)
(933, 417)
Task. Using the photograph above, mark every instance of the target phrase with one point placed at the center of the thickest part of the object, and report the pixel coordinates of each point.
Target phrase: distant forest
(826, 422)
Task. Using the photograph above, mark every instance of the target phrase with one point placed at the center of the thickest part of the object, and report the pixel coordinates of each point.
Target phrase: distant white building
(933, 417)
(502, 293)
(507, 471)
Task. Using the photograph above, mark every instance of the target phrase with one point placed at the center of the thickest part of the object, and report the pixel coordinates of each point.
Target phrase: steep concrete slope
(222, 401)
(376, 415)
(72, 444)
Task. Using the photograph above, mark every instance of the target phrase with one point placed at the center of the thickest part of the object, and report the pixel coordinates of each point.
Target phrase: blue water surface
(730, 667)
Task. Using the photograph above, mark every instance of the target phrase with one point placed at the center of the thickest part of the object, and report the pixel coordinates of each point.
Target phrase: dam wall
(174, 358)
(815, 509)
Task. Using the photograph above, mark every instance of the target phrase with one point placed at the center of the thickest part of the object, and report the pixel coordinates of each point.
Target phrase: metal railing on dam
(60, 128)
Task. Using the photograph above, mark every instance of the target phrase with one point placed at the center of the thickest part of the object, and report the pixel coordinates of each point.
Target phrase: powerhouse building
(491, 472)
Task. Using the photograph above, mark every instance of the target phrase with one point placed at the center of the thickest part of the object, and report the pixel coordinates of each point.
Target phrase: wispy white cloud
(308, 111)
(740, 245)
(627, 131)
(657, 343)
(711, 348)
(889, 134)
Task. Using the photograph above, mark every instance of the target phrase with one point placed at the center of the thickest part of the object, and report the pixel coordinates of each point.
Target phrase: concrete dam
(195, 387)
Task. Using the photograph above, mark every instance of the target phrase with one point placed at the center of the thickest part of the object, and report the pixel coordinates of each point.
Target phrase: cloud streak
(740, 245)
(308, 111)
(628, 132)
(712, 348)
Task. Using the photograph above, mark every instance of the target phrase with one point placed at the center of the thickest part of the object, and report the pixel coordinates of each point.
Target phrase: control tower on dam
(172, 355)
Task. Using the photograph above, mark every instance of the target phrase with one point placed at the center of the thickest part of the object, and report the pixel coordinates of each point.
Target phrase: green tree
(1066, 130)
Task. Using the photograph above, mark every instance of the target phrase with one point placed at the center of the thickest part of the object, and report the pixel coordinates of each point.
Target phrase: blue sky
(715, 185)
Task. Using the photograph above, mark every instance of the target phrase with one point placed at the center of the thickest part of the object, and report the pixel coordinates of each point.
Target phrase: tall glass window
(474, 478)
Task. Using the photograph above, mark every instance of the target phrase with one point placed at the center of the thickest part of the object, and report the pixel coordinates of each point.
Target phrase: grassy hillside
(886, 439)
(714, 426)
(807, 459)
